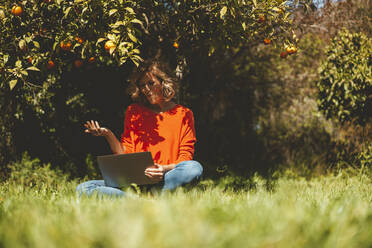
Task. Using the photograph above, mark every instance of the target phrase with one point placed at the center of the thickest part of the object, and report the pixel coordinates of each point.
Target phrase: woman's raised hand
(93, 128)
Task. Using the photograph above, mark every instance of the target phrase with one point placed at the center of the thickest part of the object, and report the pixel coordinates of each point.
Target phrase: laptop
(120, 170)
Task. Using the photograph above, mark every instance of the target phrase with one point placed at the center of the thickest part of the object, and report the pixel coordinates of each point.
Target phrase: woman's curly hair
(161, 71)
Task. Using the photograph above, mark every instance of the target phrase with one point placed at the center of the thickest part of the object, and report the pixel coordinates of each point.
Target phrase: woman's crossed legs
(183, 173)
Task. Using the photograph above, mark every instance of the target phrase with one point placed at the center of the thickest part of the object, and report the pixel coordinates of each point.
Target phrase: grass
(325, 211)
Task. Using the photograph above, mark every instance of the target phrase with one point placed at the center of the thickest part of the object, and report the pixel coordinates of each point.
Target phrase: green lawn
(326, 211)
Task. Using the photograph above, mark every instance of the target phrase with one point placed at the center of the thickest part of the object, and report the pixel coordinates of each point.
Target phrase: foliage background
(254, 111)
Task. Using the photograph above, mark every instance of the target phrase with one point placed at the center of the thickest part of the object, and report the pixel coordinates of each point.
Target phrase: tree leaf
(137, 57)
(55, 45)
(66, 12)
(117, 24)
(123, 60)
(135, 62)
(223, 11)
(36, 44)
(12, 83)
(83, 51)
(22, 44)
(136, 21)
(112, 49)
(32, 68)
(130, 10)
(136, 51)
(111, 37)
(18, 64)
(286, 15)
(276, 10)
(6, 58)
(100, 40)
(112, 11)
(132, 37)
(85, 9)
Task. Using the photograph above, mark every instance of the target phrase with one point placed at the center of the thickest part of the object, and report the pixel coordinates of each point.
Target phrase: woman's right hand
(93, 128)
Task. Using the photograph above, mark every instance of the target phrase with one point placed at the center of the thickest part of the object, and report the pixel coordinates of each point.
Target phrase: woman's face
(151, 87)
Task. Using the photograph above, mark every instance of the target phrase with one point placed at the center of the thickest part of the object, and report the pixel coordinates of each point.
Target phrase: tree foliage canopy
(345, 85)
(230, 76)
(44, 38)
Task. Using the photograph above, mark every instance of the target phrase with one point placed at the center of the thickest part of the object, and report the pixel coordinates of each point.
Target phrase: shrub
(365, 156)
(30, 173)
(345, 84)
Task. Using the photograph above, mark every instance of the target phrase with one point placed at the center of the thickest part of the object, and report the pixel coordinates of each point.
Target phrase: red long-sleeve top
(169, 136)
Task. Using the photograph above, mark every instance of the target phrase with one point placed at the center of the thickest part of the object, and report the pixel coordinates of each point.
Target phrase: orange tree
(41, 40)
(47, 36)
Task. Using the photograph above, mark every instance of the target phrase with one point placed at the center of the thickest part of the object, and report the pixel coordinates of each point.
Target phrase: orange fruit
(91, 60)
(109, 44)
(291, 50)
(43, 31)
(17, 10)
(283, 54)
(65, 45)
(50, 64)
(48, 1)
(79, 40)
(175, 44)
(261, 19)
(267, 41)
(78, 63)
(29, 59)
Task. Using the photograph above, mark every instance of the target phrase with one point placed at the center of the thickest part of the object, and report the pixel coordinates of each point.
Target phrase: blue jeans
(183, 173)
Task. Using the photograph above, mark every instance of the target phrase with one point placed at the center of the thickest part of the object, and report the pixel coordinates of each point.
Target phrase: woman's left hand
(155, 173)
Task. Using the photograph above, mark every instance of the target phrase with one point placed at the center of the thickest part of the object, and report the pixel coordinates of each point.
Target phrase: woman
(153, 123)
